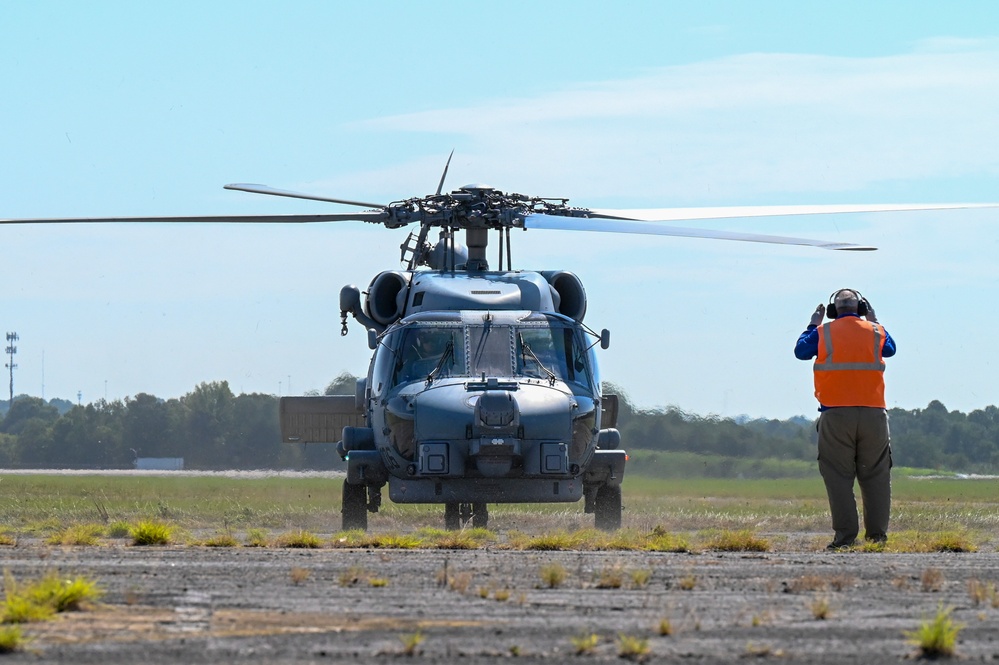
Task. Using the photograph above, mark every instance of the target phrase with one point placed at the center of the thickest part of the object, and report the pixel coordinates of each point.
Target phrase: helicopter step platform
(485, 490)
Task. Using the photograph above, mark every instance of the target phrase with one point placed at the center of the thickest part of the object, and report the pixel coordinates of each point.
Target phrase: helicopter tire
(607, 511)
(354, 511)
(452, 516)
(480, 515)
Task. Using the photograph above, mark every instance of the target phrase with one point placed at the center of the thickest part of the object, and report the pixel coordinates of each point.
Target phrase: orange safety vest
(849, 368)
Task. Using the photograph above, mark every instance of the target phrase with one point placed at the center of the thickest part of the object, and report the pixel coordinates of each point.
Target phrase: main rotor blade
(264, 189)
(374, 217)
(686, 214)
(542, 221)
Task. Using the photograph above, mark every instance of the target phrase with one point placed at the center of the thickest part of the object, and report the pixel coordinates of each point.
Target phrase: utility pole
(10, 351)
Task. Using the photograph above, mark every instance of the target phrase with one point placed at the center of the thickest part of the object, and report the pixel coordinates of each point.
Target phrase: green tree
(147, 428)
(207, 413)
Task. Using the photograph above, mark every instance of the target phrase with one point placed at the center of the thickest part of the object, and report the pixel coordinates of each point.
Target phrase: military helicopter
(483, 386)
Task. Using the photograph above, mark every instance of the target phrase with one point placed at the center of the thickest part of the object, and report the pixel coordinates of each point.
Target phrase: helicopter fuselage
(480, 390)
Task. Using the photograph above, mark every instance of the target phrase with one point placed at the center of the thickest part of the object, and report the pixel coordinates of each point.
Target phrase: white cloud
(741, 126)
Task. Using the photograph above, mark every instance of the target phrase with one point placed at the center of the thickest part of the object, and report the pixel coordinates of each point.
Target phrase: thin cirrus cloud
(746, 124)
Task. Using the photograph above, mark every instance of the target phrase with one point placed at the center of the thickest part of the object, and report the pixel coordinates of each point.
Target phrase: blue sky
(148, 109)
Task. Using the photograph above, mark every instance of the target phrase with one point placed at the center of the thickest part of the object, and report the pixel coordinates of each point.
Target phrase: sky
(148, 109)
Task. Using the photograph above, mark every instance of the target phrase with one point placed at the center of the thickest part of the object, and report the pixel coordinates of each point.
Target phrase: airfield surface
(272, 605)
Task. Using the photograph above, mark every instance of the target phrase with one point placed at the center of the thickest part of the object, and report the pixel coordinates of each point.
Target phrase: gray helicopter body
(483, 388)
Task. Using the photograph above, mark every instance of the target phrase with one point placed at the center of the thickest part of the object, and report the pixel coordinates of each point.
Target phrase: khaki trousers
(854, 443)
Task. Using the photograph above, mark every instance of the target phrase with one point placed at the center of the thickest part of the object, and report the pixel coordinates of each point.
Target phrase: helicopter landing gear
(457, 515)
(354, 510)
(607, 511)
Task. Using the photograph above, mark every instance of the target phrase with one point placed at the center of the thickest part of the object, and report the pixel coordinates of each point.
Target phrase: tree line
(212, 428)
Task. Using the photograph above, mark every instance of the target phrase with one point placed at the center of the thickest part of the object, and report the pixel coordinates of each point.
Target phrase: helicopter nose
(498, 409)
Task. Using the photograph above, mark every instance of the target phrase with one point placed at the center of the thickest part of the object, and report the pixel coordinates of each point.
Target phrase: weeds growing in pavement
(632, 647)
(611, 577)
(411, 643)
(299, 575)
(936, 637)
(585, 644)
(688, 582)
(39, 600)
(737, 541)
(980, 592)
(553, 574)
(820, 607)
(299, 539)
(932, 579)
(352, 576)
(809, 583)
(11, 639)
(640, 578)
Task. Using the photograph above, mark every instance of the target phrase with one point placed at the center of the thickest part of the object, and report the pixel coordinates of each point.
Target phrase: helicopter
(483, 385)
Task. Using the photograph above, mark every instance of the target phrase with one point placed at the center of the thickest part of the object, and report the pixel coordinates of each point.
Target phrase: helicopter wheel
(480, 515)
(354, 511)
(607, 512)
(452, 517)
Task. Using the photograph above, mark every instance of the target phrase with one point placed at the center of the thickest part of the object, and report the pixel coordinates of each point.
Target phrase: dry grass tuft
(737, 541)
(820, 607)
(932, 580)
(553, 574)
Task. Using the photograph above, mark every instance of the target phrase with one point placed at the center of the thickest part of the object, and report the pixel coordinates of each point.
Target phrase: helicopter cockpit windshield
(428, 353)
(541, 347)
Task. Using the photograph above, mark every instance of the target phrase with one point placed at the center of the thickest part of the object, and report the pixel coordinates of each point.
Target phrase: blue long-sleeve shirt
(808, 343)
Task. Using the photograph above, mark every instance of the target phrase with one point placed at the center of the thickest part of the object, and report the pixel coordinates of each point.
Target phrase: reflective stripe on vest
(829, 366)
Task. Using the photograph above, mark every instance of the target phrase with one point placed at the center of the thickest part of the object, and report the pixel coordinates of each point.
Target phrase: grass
(820, 607)
(77, 535)
(585, 644)
(553, 574)
(411, 643)
(631, 647)
(299, 539)
(936, 637)
(737, 541)
(46, 596)
(151, 532)
(11, 639)
(675, 515)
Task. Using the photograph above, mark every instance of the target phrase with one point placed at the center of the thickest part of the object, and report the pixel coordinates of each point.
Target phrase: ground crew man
(854, 443)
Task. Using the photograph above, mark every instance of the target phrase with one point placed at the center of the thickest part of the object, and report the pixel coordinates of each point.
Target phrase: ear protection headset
(831, 311)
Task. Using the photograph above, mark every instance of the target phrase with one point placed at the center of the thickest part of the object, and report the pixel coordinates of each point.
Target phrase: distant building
(159, 463)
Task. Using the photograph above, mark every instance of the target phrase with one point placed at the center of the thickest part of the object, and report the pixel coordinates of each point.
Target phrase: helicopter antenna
(444, 175)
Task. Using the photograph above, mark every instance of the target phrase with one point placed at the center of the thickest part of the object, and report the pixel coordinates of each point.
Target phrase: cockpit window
(429, 352)
(548, 350)
(490, 351)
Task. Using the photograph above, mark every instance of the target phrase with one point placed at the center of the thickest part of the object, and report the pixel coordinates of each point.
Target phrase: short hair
(847, 300)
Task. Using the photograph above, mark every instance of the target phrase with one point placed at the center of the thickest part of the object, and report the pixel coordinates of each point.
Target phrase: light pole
(10, 351)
